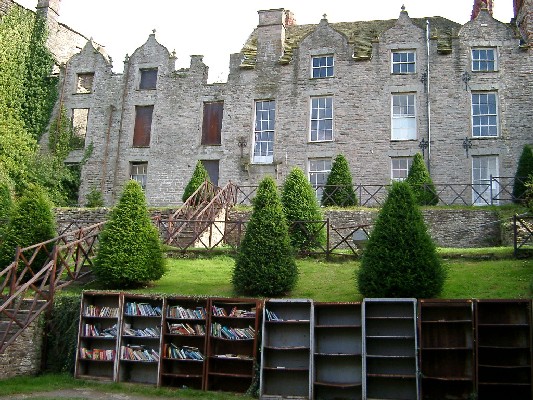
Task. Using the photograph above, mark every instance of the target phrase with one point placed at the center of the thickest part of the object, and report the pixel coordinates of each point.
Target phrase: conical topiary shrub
(130, 253)
(199, 176)
(265, 264)
(400, 259)
(421, 183)
(523, 171)
(300, 204)
(339, 187)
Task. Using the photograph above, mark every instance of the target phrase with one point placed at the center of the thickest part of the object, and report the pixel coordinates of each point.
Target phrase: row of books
(96, 330)
(97, 354)
(94, 311)
(186, 313)
(142, 309)
(218, 330)
(186, 329)
(271, 316)
(235, 312)
(146, 332)
(138, 353)
(183, 353)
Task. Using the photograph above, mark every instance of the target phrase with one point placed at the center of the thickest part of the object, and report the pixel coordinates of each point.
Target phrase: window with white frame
(403, 62)
(484, 59)
(138, 172)
(484, 114)
(265, 119)
(400, 168)
(484, 188)
(319, 169)
(321, 119)
(403, 117)
(322, 67)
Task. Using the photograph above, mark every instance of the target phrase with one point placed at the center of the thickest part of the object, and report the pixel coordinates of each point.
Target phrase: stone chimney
(271, 34)
(49, 10)
(523, 15)
(479, 5)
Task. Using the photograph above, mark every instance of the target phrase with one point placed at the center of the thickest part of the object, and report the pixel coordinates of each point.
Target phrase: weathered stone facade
(275, 65)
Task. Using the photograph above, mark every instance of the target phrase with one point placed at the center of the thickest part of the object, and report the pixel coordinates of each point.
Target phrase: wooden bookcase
(232, 343)
(184, 342)
(98, 336)
(503, 333)
(390, 363)
(447, 361)
(286, 349)
(140, 339)
(337, 356)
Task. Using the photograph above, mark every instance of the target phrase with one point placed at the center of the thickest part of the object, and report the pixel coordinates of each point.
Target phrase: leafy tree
(265, 264)
(32, 221)
(523, 171)
(130, 253)
(339, 188)
(300, 204)
(400, 259)
(421, 183)
(199, 176)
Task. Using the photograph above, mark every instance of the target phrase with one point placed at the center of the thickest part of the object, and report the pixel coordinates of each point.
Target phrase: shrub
(199, 176)
(523, 171)
(265, 264)
(94, 199)
(32, 221)
(421, 183)
(528, 194)
(130, 253)
(6, 205)
(300, 204)
(400, 259)
(339, 188)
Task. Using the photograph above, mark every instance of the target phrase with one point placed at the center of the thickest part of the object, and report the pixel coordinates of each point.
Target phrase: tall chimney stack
(480, 4)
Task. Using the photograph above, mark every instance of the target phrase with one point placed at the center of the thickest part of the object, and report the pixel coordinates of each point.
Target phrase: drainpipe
(428, 98)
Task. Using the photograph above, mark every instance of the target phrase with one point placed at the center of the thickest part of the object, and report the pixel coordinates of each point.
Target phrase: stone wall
(23, 357)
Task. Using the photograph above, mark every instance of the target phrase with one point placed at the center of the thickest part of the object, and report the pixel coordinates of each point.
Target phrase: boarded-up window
(143, 126)
(212, 124)
(80, 118)
(212, 167)
(148, 78)
(84, 83)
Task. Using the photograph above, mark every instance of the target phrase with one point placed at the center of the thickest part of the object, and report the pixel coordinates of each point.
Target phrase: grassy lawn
(491, 273)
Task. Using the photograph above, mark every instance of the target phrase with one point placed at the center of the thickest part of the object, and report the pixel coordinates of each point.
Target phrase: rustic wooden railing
(28, 284)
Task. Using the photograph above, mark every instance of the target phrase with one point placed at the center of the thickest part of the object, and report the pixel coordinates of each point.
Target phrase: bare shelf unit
(286, 349)
(337, 355)
(390, 362)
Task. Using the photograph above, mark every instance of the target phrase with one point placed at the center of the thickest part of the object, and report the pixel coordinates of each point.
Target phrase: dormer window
(84, 82)
(148, 79)
(322, 67)
(403, 62)
(484, 59)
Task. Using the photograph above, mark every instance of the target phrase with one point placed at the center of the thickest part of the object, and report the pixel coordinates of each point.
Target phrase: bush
(400, 259)
(32, 221)
(199, 176)
(421, 183)
(6, 205)
(265, 264)
(339, 187)
(94, 199)
(523, 171)
(528, 194)
(300, 204)
(130, 253)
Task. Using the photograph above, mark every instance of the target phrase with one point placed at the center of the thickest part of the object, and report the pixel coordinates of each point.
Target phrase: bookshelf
(447, 360)
(98, 332)
(286, 355)
(337, 355)
(140, 339)
(390, 363)
(184, 342)
(503, 333)
(232, 343)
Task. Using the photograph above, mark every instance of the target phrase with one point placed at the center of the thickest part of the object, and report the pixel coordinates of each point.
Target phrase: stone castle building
(377, 92)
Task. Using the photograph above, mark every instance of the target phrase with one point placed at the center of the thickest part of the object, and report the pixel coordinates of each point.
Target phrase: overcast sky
(216, 29)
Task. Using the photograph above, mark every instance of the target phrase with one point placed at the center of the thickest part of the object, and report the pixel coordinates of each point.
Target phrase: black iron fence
(523, 233)
(496, 190)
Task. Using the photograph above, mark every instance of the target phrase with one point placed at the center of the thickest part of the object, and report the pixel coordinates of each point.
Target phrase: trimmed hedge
(339, 187)
(421, 183)
(523, 172)
(199, 176)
